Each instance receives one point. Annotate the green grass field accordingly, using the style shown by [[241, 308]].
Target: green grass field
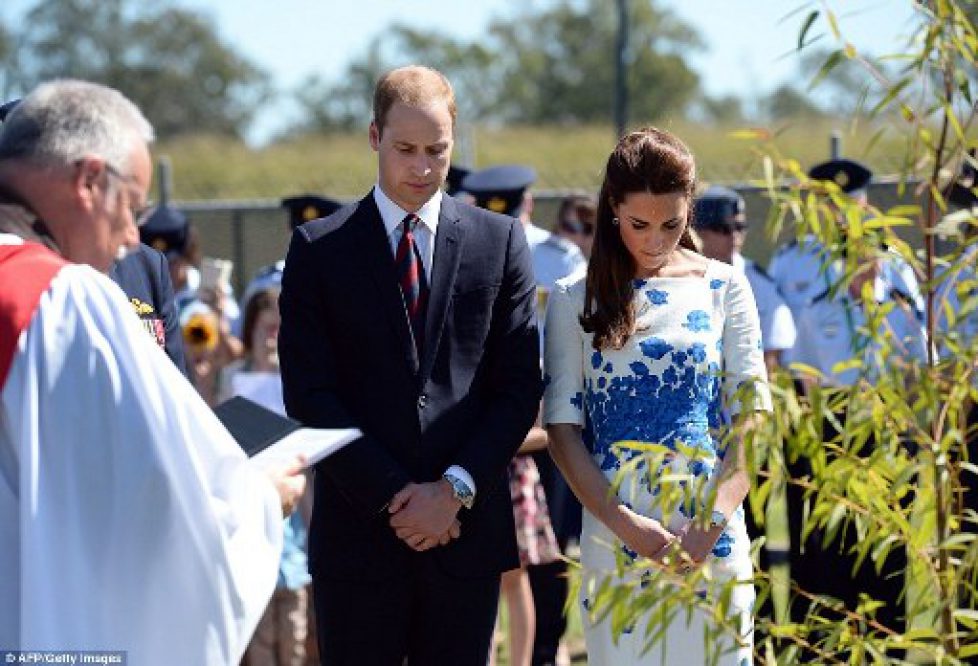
[[343, 165]]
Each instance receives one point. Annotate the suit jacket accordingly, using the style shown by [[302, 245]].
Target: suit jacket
[[348, 359], [144, 276]]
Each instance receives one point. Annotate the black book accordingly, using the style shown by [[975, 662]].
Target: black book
[[270, 438]]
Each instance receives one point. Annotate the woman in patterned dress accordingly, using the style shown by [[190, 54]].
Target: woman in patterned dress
[[653, 346]]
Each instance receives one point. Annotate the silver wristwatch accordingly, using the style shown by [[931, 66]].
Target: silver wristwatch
[[717, 519], [460, 490]]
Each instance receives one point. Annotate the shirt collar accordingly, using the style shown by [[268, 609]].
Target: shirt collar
[[392, 214]]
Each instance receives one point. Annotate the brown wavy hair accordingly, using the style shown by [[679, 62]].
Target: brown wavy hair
[[650, 161]]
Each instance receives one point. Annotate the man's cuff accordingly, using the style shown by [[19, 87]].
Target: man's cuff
[[459, 473]]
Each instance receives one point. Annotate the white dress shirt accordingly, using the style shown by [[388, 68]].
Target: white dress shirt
[[424, 234]]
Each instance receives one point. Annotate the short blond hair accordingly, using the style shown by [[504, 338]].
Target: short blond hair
[[415, 86]]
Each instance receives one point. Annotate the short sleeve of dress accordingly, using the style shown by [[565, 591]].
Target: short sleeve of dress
[[745, 376], [563, 355]]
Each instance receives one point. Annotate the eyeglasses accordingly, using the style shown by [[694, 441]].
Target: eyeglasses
[[572, 226], [138, 212]]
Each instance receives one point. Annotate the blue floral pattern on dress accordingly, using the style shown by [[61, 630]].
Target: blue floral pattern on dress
[[657, 296], [655, 348], [697, 321], [716, 283]]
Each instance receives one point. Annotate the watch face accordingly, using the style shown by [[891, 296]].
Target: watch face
[[460, 490]]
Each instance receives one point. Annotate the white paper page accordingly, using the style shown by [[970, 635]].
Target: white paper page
[[314, 443]]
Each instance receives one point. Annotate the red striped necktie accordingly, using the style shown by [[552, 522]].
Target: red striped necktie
[[411, 278]]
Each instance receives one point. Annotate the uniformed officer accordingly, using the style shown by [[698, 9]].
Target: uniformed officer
[[833, 339], [804, 269], [504, 189], [831, 332], [301, 209], [720, 220], [168, 230]]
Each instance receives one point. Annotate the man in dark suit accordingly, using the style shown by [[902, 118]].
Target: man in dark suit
[[411, 316]]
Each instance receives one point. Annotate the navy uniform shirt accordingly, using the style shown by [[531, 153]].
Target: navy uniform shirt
[[144, 276]]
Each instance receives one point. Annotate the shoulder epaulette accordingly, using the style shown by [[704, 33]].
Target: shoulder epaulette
[[904, 298]]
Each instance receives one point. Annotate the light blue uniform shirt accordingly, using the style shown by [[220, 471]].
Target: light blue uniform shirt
[[829, 334], [777, 323]]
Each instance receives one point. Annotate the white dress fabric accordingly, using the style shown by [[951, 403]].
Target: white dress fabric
[[697, 339], [130, 519]]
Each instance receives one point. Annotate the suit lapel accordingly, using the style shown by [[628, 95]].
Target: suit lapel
[[448, 250], [379, 264]]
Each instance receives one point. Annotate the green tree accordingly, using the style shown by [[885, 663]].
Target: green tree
[[558, 64], [723, 110], [786, 101], [170, 61]]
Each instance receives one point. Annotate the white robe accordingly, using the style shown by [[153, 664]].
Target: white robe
[[129, 518]]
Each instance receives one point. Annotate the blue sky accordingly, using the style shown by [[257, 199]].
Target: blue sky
[[749, 42]]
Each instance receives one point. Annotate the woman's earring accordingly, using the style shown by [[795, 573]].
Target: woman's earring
[[614, 221]]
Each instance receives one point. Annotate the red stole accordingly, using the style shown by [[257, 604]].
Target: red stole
[[26, 272]]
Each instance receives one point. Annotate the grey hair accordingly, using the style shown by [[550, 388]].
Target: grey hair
[[63, 121]]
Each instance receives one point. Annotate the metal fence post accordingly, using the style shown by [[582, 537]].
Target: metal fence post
[[238, 249]]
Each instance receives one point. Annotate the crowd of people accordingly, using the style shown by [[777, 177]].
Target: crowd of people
[[497, 371]]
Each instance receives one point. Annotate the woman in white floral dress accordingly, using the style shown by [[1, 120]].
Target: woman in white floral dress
[[654, 346]]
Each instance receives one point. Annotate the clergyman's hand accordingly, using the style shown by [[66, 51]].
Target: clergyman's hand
[[290, 482], [423, 513]]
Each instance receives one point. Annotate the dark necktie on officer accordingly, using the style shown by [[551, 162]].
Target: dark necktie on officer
[[411, 278]]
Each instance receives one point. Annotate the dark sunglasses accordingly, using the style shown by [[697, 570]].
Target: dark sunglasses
[[577, 227], [728, 230]]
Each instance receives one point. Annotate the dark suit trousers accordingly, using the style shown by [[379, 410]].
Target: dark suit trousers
[[427, 617]]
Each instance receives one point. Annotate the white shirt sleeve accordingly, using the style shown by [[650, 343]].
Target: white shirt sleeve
[[563, 366], [147, 528], [783, 332]]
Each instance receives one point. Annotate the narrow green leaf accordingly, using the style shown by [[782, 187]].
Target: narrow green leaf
[[833, 24], [806, 26], [830, 63]]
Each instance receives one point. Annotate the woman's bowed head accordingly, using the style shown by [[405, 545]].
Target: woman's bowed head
[[643, 229]]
